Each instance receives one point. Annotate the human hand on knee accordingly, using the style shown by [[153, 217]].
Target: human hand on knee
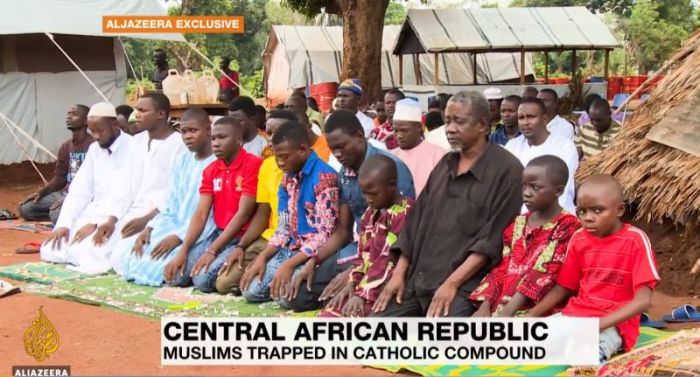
[[335, 286], [56, 237], [83, 233]]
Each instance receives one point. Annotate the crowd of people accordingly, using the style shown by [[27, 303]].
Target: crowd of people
[[468, 210]]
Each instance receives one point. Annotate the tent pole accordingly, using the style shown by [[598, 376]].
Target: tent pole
[[546, 67], [474, 70], [573, 64], [401, 70], [51, 38], [607, 64], [522, 66], [416, 68], [436, 79], [21, 147]]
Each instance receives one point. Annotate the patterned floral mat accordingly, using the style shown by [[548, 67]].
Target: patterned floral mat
[[39, 272]]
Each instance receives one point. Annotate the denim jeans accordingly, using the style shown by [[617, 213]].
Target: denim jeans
[[260, 291], [41, 210], [610, 342], [205, 281]]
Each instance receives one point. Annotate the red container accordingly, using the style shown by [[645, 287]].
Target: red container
[[614, 86], [639, 80], [324, 93]]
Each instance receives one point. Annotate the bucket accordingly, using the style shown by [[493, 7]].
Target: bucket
[[614, 86], [209, 86], [174, 88], [324, 93]]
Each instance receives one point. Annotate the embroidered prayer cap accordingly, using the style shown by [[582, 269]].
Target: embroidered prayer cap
[[352, 85], [408, 110], [102, 109], [493, 93]]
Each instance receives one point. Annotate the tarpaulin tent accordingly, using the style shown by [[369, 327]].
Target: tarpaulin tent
[[298, 56], [38, 83]]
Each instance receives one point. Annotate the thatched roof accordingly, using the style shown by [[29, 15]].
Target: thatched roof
[[663, 182]]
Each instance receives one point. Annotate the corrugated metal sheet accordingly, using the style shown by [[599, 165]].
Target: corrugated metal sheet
[[502, 29]]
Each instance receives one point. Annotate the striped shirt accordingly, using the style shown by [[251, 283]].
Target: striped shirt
[[591, 142]]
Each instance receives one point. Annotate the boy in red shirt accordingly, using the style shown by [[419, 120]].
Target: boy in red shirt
[[610, 267], [229, 185]]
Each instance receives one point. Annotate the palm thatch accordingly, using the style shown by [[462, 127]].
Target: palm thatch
[[663, 182]]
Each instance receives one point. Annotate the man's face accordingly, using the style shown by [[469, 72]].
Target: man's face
[[390, 100], [248, 123], [531, 120], [381, 111], [408, 134], [103, 130], [464, 130], [147, 117], [550, 103], [495, 110], [600, 119], [272, 124], [509, 114], [225, 141], [195, 134], [598, 209], [295, 105], [75, 119], [290, 158], [348, 149], [346, 100], [159, 58]]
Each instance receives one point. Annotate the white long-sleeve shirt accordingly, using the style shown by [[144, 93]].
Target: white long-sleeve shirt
[[101, 188], [153, 164], [555, 146], [367, 122], [561, 127]]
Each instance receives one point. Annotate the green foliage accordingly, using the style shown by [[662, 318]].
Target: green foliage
[[280, 14], [654, 30], [309, 8], [395, 14], [253, 84]]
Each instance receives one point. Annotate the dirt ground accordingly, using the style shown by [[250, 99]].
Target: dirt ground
[[96, 341]]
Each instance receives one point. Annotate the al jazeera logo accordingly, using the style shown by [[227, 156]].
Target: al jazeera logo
[[40, 341]]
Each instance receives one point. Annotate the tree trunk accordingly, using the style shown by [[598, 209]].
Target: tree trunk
[[363, 24]]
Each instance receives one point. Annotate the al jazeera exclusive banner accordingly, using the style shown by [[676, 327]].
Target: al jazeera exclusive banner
[[379, 341]]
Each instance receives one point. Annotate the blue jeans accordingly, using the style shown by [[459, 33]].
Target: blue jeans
[[610, 342], [205, 281], [260, 291]]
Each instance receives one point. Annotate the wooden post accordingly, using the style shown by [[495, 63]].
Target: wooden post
[[474, 70], [522, 66], [546, 67], [607, 63], [436, 80], [573, 64], [401, 70]]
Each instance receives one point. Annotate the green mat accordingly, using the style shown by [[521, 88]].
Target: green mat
[[646, 337], [113, 292], [39, 272]]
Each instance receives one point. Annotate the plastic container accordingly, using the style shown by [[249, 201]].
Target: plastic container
[[209, 86], [195, 93], [614, 86], [324, 93], [174, 88]]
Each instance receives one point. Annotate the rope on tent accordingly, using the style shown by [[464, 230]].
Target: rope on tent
[[26, 135], [21, 147], [77, 67], [192, 46], [136, 77]]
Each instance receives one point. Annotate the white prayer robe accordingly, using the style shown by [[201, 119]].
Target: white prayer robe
[[100, 189]]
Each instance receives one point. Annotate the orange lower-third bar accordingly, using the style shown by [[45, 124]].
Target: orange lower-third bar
[[172, 24]]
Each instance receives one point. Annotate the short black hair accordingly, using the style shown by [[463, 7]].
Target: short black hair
[[83, 110], [600, 104], [298, 94], [345, 121], [160, 100], [588, 101], [124, 110], [514, 98], [230, 121], [443, 98], [196, 114], [260, 110], [395, 92], [292, 132], [552, 92], [531, 91], [434, 104], [555, 168], [160, 50], [433, 120], [243, 103], [382, 166], [311, 102], [283, 114], [535, 101]]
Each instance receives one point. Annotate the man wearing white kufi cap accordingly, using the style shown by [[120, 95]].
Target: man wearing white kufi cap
[[98, 197], [419, 155]]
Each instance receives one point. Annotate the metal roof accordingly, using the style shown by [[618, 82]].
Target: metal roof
[[502, 29]]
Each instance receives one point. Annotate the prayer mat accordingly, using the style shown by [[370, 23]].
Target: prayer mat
[[110, 291], [666, 354], [39, 272], [647, 336], [27, 226]]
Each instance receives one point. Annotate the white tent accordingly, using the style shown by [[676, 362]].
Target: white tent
[[38, 83], [298, 56]]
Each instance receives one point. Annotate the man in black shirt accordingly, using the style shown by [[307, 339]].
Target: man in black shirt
[[452, 238]]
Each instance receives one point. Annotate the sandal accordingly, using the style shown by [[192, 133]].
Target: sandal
[[685, 313], [29, 248], [6, 214], [646, 321]]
